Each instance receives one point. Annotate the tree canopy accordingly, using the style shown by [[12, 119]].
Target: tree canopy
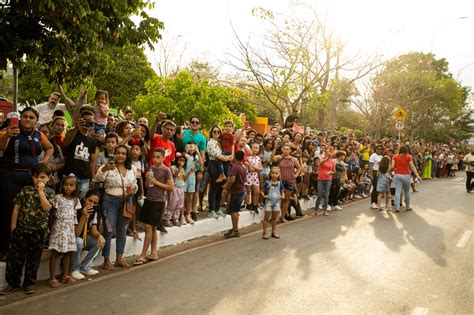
[[67, 37], [184, 95]]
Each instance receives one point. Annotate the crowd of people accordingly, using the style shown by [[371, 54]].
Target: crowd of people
[[74, 188]]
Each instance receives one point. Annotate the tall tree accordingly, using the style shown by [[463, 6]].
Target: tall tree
[[298, 61], [67, 37], [422, 85]]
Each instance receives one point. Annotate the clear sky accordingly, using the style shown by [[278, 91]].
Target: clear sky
[[389, 27]]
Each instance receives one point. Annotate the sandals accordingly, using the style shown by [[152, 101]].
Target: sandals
[[54, 283], [108, 266], [275, 235], [135, 235], [265, 236], [69, 280], [121, 263], [150, 258], [409, 209], [140, 261]]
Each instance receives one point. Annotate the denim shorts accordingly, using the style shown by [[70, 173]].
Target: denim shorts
[[272, 205]]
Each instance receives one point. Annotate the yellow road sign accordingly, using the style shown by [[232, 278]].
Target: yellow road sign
[[400, 113]]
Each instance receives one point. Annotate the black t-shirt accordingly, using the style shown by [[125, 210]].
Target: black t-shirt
[[79, 153]]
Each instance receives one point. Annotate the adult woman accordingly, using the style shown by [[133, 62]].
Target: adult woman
[[214, 169], [120, 184], [59, 125], [178, 140], [289, 167], [427, 158], [327, 168], [22, 145], [402, 163], [124, 131], [57, 162]]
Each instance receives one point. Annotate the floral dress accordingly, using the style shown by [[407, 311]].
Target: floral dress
[[252, 177], [63, 238]]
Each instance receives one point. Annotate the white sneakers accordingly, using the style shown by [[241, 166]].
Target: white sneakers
[[92, 272], [357, 196], [337, 208], [77, 275], [374, 206]]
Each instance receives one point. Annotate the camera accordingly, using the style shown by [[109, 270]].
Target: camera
[[111, 159], [88, 123]]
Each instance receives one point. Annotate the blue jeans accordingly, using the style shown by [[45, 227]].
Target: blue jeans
[[115, 224], [402, 181], [215, 189], [83, 187], [324, 187], [92, 251]]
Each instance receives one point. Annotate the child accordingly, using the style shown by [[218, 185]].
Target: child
[[88, 237], [273, 192], [101, 111], [29, 228], [193, 161], [236, 185], [136, 152], [62, 239], [111, 142], [227, 146], [383, 183], [175, 208], [159, 181], [252, 184]]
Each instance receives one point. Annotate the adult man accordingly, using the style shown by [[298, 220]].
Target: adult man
[[274, 132], [80, 149], [469, 164], [142, 121], [374, 161], [46, 110], [194, 134], [168, 128]]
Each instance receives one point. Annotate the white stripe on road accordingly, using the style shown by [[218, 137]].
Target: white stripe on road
[[464, 238], [419, 311]]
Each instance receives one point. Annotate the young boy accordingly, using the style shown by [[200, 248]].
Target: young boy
[[227, 145], [159, 181], [236, 185], [29, 228]]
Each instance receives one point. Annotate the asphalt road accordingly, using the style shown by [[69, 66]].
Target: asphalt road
[[355, 261]]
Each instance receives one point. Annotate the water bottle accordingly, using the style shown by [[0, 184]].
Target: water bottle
[[14, 119], [150, 174]]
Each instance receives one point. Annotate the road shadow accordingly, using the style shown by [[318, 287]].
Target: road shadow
[[386, 229], [424, 236]]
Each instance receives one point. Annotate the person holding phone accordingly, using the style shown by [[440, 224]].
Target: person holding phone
[[120, 184], [80, 151], [22, 145], [88, 237]]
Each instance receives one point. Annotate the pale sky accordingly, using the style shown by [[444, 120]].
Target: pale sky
[[389, 27]]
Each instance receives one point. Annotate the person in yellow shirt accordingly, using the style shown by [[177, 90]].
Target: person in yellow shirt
[[469, 164]]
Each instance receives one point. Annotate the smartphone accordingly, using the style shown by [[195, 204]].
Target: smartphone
[[111, 159], [169, 116], [89, 124]]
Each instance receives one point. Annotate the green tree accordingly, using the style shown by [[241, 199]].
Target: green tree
[[185, 95], [67, 37], [126, 77]]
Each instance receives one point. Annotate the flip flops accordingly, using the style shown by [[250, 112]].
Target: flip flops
[[140, 261]]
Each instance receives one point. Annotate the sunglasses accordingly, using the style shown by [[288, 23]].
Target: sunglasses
[[216, 131], [194, 122]]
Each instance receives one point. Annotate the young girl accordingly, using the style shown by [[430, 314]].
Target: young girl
[[136, 152], [254, 166], [273, 192], [62, 239], [159, 181], [193, 159], [383, 183], [101, 111], [175, 208]]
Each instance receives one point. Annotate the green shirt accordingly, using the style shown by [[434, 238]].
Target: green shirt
[[31, 215]]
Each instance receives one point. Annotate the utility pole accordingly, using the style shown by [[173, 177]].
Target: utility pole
[[15, 88]]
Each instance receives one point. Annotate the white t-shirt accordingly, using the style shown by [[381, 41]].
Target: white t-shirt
[[46, 113], [375, 160]]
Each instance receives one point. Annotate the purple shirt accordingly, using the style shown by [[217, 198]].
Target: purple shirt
[[240, 173], [155, 193]]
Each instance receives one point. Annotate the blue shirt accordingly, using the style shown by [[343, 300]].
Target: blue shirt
[[198, 138]]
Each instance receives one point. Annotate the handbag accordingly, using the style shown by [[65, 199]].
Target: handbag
[[129, 208]]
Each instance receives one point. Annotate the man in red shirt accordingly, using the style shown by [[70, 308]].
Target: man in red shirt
[[168, 128]]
